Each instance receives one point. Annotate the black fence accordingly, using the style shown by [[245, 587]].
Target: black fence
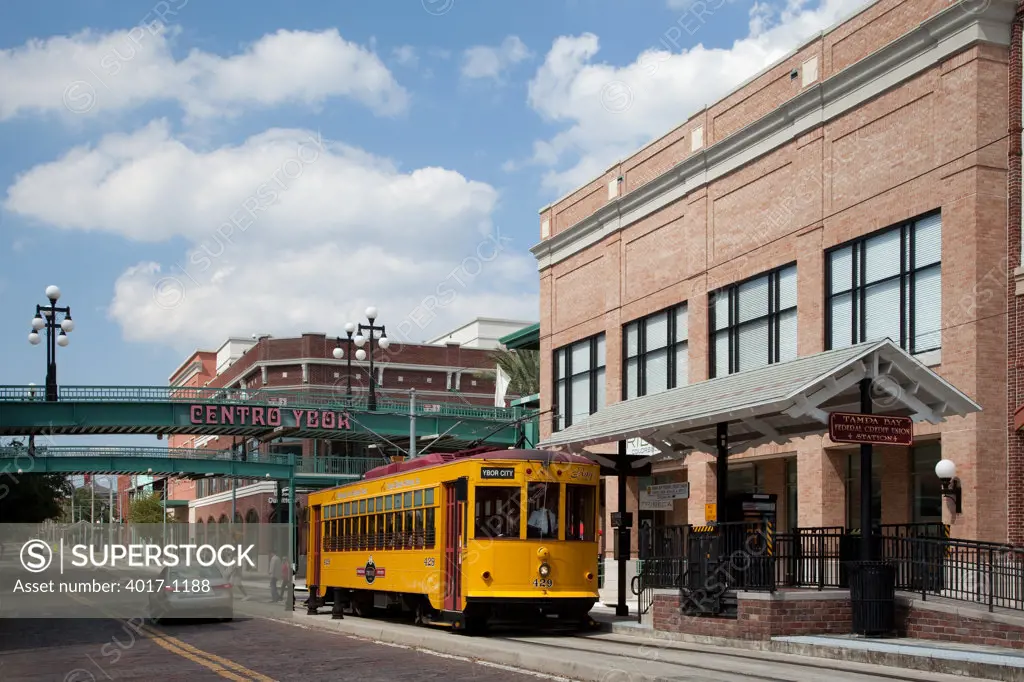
[[706, 563]]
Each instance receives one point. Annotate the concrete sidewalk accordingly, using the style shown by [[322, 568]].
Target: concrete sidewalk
[[949, 658]]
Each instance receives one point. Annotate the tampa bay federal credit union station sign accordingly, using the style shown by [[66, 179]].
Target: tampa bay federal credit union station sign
[[252, 415]]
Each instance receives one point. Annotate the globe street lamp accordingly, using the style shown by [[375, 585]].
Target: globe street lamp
[[340, 353], [360, 341], [53, 318]]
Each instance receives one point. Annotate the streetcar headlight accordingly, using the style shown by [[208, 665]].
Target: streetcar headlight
[[544, 570]]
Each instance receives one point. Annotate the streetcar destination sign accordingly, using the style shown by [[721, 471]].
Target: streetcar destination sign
[[500, 473], [845, 427]]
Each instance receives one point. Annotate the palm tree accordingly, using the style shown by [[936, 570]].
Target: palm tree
[[522, 368]]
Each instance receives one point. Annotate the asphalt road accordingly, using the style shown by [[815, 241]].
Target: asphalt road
[[247, 649]]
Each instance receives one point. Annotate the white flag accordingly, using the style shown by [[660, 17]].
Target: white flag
[[501, 383]]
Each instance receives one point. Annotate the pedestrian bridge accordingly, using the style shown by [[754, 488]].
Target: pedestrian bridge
[[265, 414], [185, 462]]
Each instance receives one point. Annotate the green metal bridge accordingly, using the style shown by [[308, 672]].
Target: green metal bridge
[[261, 414]]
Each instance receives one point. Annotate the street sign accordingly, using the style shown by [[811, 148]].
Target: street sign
[[844, 427], [710, 513], [649, 503], [669, 491]]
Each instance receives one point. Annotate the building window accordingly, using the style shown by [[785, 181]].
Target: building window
[[753, 323], [579, 380], [656, 353], [887, 285], [927, 487]]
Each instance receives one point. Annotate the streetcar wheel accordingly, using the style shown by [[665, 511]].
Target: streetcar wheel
[[361, 605], [422, 617]]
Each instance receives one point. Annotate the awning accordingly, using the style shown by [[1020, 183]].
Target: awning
[[772, 404]]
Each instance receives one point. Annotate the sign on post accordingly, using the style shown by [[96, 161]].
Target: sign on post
[[669, 491], [845, 427], [710, 513], [650, 503]]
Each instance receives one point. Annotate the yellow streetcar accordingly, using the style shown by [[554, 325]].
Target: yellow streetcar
[[461, 539]]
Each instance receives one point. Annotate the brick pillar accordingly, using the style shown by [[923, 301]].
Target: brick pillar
[[773, 472], [1015, 310], [897, 484], [700, 471], [821, 490]]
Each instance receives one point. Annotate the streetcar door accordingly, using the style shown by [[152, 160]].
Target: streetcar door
[[455, 498], [315, 547]]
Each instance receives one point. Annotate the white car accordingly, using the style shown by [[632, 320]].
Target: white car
[[192, 592]]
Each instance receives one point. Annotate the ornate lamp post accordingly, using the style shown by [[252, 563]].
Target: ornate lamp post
[[360, 341], [340, 353], [47, 316]]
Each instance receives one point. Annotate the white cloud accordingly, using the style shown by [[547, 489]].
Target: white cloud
[[611, 111], [286, 231], [483, 61], [405, 55], [90, 74]]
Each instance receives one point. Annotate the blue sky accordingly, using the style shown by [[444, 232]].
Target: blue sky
[[239, 167]]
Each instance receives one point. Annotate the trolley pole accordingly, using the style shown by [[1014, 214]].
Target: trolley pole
[[412, 423]]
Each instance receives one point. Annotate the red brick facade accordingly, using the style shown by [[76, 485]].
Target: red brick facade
[[465, 374], [931, 139], [1015, 309]]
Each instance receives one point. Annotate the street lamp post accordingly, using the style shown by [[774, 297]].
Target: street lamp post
[[340, 353], [360, 340], [46, 316]]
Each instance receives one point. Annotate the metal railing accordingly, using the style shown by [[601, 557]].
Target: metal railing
[[925, 559], [308, 398], [333, 464]]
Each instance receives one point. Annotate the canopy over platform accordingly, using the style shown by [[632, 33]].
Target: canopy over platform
[[527, 338], [772, 404]]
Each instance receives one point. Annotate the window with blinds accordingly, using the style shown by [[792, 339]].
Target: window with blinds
[[656, 352], [888, 284], [579, 380], [753, 323]]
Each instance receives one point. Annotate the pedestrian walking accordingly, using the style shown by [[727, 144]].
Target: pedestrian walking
[[275, 573], [235, 578]]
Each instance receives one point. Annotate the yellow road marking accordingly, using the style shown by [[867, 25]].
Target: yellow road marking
[[227, 663], [162, 642], [218, 664]]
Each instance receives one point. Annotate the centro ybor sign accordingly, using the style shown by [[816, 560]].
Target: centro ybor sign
[[37, 556]]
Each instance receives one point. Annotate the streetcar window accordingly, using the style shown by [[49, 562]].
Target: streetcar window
[[419, 529], [348, 511], [409, 536], [408, 500], [430, 528], [398, 501], [418, 498], [389, 528], [542, 510], [362, 506], [430, 497], [388, 501], [380, 504], [497, 512], [580, 512]]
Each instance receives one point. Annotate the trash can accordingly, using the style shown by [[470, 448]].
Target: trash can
[[872, 598]]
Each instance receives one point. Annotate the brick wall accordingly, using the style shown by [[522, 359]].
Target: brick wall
[[946, 623], [1014, 307], [762, 616]]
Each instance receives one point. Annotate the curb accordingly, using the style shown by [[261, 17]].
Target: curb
[[829, 656], [444, 642]]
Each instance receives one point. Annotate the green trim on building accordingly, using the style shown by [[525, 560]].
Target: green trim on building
[[527, 338]]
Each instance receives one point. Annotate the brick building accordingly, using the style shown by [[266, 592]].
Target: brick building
[[447, 369], [865, 186]]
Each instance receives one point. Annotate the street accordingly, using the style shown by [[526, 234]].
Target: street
[[285, 646], [247, 649]]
